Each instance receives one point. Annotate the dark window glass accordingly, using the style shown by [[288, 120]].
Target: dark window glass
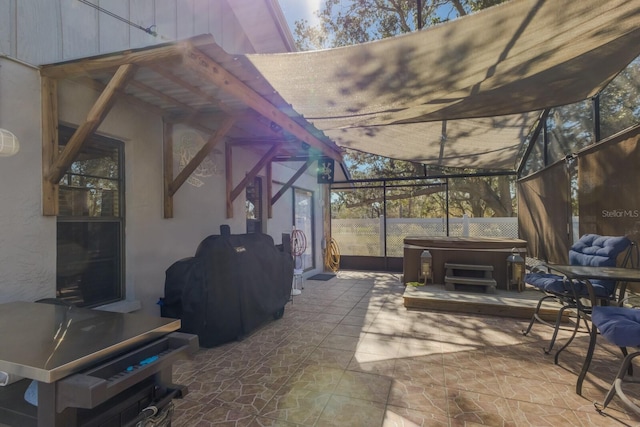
[[88, 262], [90, 224], [253, 206]]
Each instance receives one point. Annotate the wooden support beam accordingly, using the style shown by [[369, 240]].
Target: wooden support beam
[[269, 189], [263, 125], [167, 158], [293, 158], [130, 99], [291, 181], [193, 123], [326, 223], [253, 172], [228, 171], [161, 95], [287, 149], [201, 154], [96, 115], [188, 86], [255, 142], [206, 67], [196, 123], [49, 91], [107, 62]]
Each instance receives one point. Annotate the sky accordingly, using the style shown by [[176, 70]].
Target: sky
[[299, 9], [304, 9]]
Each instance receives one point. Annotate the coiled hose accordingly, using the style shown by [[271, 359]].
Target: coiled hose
[[332, 256], [298, 248]]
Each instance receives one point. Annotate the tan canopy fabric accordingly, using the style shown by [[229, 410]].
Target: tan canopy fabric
[[410, 97]]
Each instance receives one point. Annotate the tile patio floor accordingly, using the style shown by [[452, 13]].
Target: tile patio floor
[[348, 353]]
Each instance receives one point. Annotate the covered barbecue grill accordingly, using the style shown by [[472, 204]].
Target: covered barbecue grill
[[232, 285]]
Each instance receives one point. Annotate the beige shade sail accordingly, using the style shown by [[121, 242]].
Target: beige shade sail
[[411, 97]]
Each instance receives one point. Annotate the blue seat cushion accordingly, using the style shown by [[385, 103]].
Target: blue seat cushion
[[545, 281], [590, 250], [597, 251], [555, 284], [619, 325]]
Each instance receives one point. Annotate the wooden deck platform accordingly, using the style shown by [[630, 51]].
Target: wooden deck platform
[[502, 303]]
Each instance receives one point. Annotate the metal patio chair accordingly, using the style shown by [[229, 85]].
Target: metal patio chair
[[589, 250], [620, 326]]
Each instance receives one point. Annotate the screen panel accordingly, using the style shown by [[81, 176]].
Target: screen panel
[[544, 213], [608, 194]]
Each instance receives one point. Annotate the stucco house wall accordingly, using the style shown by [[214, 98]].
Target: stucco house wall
[[27, 239], [152, 243]]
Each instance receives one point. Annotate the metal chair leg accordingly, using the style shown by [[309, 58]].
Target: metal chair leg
[[593, 333], [625, 353], [556, 325], [616, 386], [556, 329], [535, 315], [573, 335]]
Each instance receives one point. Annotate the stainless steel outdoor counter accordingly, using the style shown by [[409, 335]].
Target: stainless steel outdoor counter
[[89, 367], [47, 342]]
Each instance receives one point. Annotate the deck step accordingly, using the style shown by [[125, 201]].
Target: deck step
[[451, 281], [503, 303], [469, 274], [478, 267], [465, 280]]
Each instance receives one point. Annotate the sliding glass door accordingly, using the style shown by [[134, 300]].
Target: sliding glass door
[[304, 221]]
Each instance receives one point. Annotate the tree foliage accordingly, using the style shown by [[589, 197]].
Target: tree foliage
[[620, 101], [347, 22], [570, 128]]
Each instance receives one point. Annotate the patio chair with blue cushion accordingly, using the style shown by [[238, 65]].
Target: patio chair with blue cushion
[[590, 250], [620, 326]]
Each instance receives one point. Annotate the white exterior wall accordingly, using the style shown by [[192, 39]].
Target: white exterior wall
[[282, 221], [27, 239], [47, 31], [153, 243]]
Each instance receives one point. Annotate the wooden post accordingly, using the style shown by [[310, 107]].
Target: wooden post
[[228, 171], [49, 90], [96, 115], [167, 151], [326, 219], [201, 154], [269, 189]]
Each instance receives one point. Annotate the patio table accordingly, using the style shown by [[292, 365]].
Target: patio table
[[585, 274]]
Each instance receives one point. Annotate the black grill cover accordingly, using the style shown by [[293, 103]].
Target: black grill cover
[[233, 284]]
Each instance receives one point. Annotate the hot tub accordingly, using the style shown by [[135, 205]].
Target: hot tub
[[460, 250]]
